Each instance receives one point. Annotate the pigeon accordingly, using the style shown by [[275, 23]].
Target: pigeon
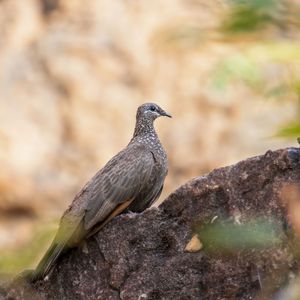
[[130, 182]]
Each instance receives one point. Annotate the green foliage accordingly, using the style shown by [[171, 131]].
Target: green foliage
[[15, 261], [293, 130], [247, 66], [225, 237], [248, 16], [238, 67]]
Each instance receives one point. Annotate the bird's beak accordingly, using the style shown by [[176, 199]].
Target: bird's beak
[[165, 114]]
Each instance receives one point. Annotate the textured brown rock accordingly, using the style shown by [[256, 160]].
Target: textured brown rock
[[141, 256]]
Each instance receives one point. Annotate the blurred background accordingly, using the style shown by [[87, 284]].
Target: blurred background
[[72, 74]]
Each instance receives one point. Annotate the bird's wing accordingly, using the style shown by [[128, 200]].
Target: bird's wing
[[107, 194], [118, 183]]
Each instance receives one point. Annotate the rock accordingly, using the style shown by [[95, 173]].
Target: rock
[[142, 256], [194, 245]]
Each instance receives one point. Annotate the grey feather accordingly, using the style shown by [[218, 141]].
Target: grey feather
[[130, 174]]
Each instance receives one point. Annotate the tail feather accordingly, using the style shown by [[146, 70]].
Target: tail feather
[[68, 235], [47, 261]]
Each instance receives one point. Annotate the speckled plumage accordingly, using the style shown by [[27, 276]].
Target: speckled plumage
[[131, 181]]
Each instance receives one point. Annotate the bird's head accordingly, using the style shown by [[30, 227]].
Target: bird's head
[[151, 111]]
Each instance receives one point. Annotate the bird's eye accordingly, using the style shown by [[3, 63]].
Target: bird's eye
[[152, 108]]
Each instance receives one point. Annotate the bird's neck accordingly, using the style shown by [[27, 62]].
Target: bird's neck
[[144, 133], [144, 127]]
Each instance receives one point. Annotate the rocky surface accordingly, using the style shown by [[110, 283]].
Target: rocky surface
[[143, 256]]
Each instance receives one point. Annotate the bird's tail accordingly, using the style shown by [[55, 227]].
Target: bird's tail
[[47, 261], [66, 237]]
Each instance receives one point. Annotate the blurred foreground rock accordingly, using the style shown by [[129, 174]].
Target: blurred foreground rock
[[143, 256]]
